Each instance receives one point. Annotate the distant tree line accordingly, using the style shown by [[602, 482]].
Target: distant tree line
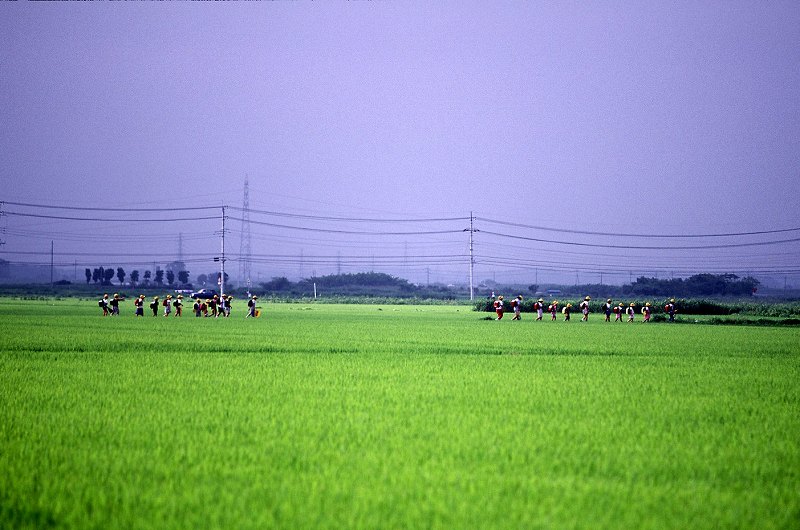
[[697, 285], [105, 275], [373, 284]]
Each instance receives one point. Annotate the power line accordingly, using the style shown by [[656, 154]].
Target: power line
[[352, 219], [108, 209], [113, 219], [640, 247], [332, 231], [615, 234]]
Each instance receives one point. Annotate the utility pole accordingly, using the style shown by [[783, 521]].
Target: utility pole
[[51, 263], [245, 249], [222, 258], [471, 258]]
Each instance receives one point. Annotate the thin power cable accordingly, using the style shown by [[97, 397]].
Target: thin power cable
[[350, 219], [106, 219], [107, 209], [614, 234], [643, 247], [360, 232]]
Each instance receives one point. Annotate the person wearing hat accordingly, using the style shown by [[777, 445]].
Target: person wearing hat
[[585, 309], [498, 307], [114, 303], [228, 301], [553, 308], [221, 305], [212, 305], [646, 311], [154, 306], [167, 303], [179, 306], [619, 311], [138, 303], [103, 303], [251, 307], [670, 309], [539, 307], [197, 307], [607, 309], [516, 303], [631, 312], [566, 311]]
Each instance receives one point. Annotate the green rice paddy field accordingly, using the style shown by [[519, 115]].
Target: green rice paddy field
[[325, 416]]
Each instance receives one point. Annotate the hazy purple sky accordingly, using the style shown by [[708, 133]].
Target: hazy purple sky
[[627, 117]]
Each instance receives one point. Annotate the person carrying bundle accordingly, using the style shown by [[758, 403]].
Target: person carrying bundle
[[103, 303], [498, 307], [167, 303], [154, 306], [585, 309], [631, 312], [553, 308], [114, 303], [179, 305], [670, 309], [566, 312], [539, 307], [251, 307], [646, 311], [619, 310], [607, 309], [196, 307], [516, 304], [139, 305]]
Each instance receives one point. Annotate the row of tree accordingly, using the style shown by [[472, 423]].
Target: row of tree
[[104, 276]]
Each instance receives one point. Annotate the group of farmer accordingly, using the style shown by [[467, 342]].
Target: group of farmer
[[214, 307], [618, 309]]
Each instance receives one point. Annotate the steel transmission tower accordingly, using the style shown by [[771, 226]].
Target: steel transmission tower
[[245, 253]]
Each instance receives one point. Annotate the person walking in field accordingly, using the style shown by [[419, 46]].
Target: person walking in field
[[498, 307], [212, 306], [221, 306], [553, 308], [585, 309], [103, 303], [631, 312], [138, 303], [114, 303], [517, 305], [228, 305], [607, 309], [566, 311], [619, 311], [167, 303], [670, 309], [154, 306], [539, 307], [179, 306], [646, 311], [196, 307], [251, 307], [204, 307]]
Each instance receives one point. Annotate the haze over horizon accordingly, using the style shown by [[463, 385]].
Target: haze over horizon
[[371, 131]]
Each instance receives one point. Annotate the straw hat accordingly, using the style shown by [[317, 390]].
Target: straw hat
[[609, 300], [587, 298], [540, 300], [632, 304]]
